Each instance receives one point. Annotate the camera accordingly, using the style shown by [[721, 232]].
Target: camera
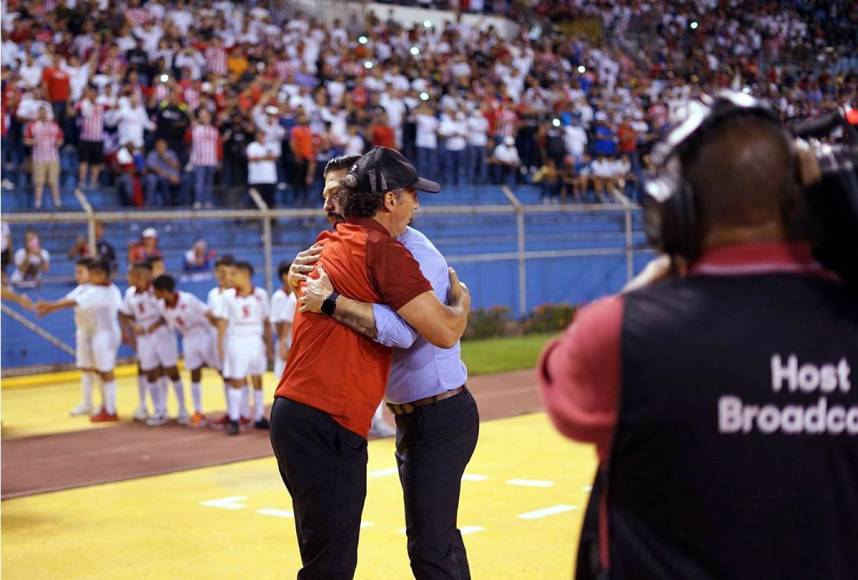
[[831, 198]]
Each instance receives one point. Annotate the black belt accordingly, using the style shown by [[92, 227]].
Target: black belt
[[406, 408]]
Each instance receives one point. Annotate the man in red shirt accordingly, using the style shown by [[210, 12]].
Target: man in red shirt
[[58, 86], [382, 133], [335, 377], [303, 158]]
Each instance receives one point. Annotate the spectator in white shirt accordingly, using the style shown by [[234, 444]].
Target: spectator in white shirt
[[355, 144], [132, 120], [454, 129], [603, 171], [31, 262], [506, 161], [575, 138], [262, 167], [478, 128], [426, 140]]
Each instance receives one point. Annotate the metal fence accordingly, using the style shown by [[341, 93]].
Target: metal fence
[[264, 215]]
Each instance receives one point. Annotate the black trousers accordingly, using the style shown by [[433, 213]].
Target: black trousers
[[433, 446], [324, 468]]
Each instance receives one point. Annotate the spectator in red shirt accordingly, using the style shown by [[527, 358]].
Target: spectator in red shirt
[[58, 85], [335, 377], [145, 248], [381, 133], [303, 158]]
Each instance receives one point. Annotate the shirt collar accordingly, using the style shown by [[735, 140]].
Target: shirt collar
[[763, 258], [369, 223]]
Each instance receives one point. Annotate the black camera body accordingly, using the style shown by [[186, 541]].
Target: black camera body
[[829, 206]]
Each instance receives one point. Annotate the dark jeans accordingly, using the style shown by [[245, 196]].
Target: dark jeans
[[433, 446], [324, 468]]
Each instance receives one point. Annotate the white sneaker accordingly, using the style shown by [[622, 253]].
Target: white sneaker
[[141, 414], [156, 420], [183, 418], [82, 409], [382, 429]]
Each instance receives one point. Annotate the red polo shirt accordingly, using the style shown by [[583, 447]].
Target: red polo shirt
[[331, 367]]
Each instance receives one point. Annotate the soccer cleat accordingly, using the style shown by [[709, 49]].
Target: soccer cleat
[[156, 420], [183, 418], [262, 424], [233, 428], [381, 429], [82, 409], [197, 420], [141, 414], [104, 417], [221, 423]]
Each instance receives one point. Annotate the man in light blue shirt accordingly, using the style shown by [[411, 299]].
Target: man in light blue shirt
[[436, 417]]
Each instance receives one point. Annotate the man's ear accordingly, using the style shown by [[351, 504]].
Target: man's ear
[[390, 201]]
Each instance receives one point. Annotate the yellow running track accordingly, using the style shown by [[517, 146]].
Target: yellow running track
[[522, 503]]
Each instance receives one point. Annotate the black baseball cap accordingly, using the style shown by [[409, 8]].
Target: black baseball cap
[[385, 169]]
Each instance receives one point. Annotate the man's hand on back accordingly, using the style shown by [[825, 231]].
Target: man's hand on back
[[303, 264], [315, 292], [458, 295]]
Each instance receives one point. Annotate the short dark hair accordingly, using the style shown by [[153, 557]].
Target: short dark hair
[[340, 162], [225, 260], [85, 262], [246, 266], [164, 282], [283, 268], [99, 266], [142, 265]]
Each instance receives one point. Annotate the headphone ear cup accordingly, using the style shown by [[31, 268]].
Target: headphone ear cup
[[687, 241]]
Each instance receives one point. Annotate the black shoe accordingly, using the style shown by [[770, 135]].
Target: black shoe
[[233, 428], [262, 424]]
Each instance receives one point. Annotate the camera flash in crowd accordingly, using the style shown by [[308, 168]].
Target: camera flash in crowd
[[415, 51], [582, 69], [362, 40], [367, 64], [424, 96], [694, 25], [427, 24], [555, 122]]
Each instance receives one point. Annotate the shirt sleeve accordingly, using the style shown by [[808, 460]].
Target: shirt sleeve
[[125, 307], [277, 308], [396, 273], [579, 375], [87, 298], [390, 329]]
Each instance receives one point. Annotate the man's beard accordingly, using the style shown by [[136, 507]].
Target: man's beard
[[335, 218]]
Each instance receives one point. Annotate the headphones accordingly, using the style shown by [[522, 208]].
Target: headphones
[[669, 202]]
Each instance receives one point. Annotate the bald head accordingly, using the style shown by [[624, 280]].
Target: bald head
[[743, 178]]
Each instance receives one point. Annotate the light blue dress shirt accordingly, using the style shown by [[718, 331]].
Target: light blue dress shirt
[[420, 369]]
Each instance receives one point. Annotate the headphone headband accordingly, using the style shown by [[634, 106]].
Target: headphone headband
[[669, 207]]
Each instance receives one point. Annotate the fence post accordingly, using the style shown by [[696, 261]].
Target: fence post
[[266, 237], [90, 220], [522, 258], [630, 251]]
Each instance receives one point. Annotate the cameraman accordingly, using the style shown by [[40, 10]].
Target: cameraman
[[722, 402]]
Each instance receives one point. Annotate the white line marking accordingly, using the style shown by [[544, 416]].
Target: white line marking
[[531, 482], [471, 530], [232, 502], [401, 531], [549, 511], [366, 525], [275, 513], [474, 477], [384, 472], [587, 488]]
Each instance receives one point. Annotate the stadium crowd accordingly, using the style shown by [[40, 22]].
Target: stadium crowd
[[189, 103]]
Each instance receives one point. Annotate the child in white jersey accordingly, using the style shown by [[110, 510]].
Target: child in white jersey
[[244, 343], [186, 314], [283, 305], [223, 275], [97, 340], [156, 343]]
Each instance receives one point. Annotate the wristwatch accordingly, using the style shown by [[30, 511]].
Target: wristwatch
[[330, 303]]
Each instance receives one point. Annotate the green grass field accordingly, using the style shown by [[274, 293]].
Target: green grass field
[[496, 355]]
